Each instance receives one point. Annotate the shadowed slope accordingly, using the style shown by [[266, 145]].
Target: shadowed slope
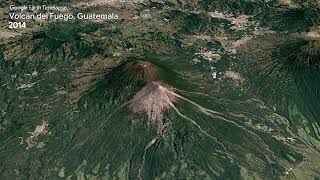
[[119, 84]]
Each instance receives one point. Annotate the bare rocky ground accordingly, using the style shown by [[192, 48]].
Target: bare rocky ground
[[153, 99]]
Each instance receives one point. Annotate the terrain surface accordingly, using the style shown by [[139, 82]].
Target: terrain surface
[[177, 89]]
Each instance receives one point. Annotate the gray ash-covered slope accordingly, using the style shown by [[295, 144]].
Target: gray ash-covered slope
[[134, 125]]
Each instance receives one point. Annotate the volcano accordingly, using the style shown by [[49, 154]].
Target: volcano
[[134, 124], [134, 99], [122, 81], [144, 127], [150, 96]]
